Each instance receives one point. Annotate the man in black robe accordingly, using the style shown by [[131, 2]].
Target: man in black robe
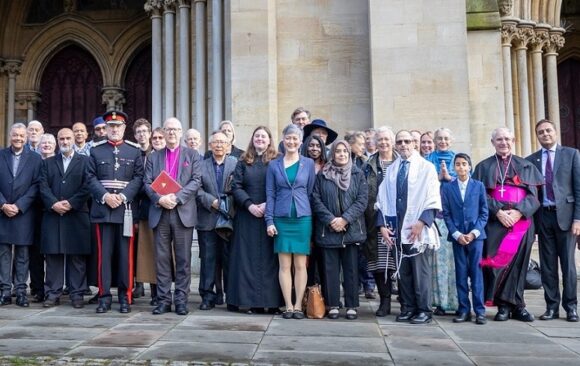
[[512, 184]]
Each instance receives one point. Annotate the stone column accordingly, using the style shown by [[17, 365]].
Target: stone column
[[537, 43], [217, 63], [521, 40], [154, 8], [12, 68], [113, 98], [200, 67], [184, 64], [30, 99], [507, 34], [556, 41], [169, 61]]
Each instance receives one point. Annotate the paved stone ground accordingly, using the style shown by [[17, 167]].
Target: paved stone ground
[[65, 336]]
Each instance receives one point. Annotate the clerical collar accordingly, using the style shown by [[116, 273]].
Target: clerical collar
[[503, 158], [172, 150], [115, 143]]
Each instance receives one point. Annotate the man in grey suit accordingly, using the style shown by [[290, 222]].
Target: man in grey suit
[[173, 216], [558, 220], [215, 172]]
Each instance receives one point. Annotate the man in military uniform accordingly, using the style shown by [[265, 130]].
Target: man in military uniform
[[115, 176]]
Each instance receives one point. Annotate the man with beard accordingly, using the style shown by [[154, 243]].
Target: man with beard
[[512, 196], [115, 176], [65, 223], [19, 180]]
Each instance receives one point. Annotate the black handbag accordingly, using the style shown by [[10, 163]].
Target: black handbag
[[224, 226]]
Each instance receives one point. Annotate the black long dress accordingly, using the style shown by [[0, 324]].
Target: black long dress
[[253, 276]]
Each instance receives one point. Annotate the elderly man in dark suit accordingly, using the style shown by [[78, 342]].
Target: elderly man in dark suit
[[558, 220], [19, 180], [215, 172], [173, 216], [65, 222]]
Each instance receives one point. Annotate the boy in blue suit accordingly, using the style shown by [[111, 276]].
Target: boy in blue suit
[[465, 212]]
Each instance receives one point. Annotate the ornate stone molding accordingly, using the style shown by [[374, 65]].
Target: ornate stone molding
[[523, 36], [508, 30], [113, 98], [169, 5], [505, 7], [12, 67], [184, 3], [152, 6], [28, 98], [539, 39], [554, 43]]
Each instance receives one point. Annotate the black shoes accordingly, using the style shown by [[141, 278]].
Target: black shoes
[[287, 314], [369, 295], [480, 319], [206, 305], [103, 306], [49, 303], [384, 308], [421, 318], [181, 309], [78, 303], [462, 318], [503, 314], [154, 301], [523, 315], [5, 300], [572, 315], [22, 300], [298, 314], [404, 317], [139, 290], [124, 307], [38, 297], [94, 299], [333, 313], [549, 315], [161, 309]]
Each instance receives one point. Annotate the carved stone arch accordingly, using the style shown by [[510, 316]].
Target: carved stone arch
[[136, 36], [60, 34]]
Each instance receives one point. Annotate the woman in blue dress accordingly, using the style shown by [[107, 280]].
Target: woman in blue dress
[[289, 183]]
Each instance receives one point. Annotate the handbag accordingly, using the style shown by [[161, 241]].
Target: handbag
[[315, 308], [224, 226]]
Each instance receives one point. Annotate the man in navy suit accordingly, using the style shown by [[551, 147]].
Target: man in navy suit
[[558, 219], [465, 212], [19, 181]]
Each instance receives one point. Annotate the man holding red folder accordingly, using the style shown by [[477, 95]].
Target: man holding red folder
[[172, 179]]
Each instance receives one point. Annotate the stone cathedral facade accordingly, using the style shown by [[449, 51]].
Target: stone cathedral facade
[[469, 65]]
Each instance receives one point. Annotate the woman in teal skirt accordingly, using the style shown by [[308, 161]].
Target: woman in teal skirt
[[289, 183]]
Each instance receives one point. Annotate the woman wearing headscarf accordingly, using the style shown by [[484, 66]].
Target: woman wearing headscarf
[[339, 201]]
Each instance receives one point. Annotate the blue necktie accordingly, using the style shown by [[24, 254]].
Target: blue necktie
[[402, 176]]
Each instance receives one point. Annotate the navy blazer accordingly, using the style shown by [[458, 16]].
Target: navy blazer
[[468, 215], [280, 193], [21, 190]]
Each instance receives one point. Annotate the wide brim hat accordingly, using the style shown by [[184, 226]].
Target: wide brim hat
[[320, 123], [115, 118]]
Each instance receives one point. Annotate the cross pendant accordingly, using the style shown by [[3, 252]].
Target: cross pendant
[[501, 191]]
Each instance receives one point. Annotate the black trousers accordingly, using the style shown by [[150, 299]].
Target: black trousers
[[415, 288], [172, 238], [19, 276], [555, 245], [36, 268], [211, 248], [76, 274], [110, 241], [333, 259]]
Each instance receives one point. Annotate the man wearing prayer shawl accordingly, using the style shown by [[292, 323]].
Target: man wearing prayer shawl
[[512, 184], [407, 202]]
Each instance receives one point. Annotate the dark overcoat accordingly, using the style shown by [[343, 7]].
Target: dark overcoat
[[21, 190], [69, 233]]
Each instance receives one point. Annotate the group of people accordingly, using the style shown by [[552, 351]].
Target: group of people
[[373, 209]]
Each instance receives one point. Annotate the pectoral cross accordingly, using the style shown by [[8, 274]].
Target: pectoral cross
[[501, 191]]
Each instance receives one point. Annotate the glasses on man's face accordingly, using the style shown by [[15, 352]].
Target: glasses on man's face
[[172, 130], [401, 142], [219, 142], [157, 138]]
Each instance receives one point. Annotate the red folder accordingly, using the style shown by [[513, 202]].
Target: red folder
[[164, 184]]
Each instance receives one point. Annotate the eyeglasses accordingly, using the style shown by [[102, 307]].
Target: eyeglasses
[[401, 142], [218, 142], [157, 138], [170, 130]]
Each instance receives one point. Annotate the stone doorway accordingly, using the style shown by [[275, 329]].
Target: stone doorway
[[138, 89], [70, 89], [569, 92]]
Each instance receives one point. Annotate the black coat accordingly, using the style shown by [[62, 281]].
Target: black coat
[[253, 276], [21, 190], [71, 232], [329, 202]]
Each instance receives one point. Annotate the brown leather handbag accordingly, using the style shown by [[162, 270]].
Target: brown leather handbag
[[315, 308]]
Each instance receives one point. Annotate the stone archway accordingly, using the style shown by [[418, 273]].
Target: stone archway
[[569, 91], [70, 88], [137, 85]]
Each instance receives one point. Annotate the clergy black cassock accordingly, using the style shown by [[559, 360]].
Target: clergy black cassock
[[505, 286]]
